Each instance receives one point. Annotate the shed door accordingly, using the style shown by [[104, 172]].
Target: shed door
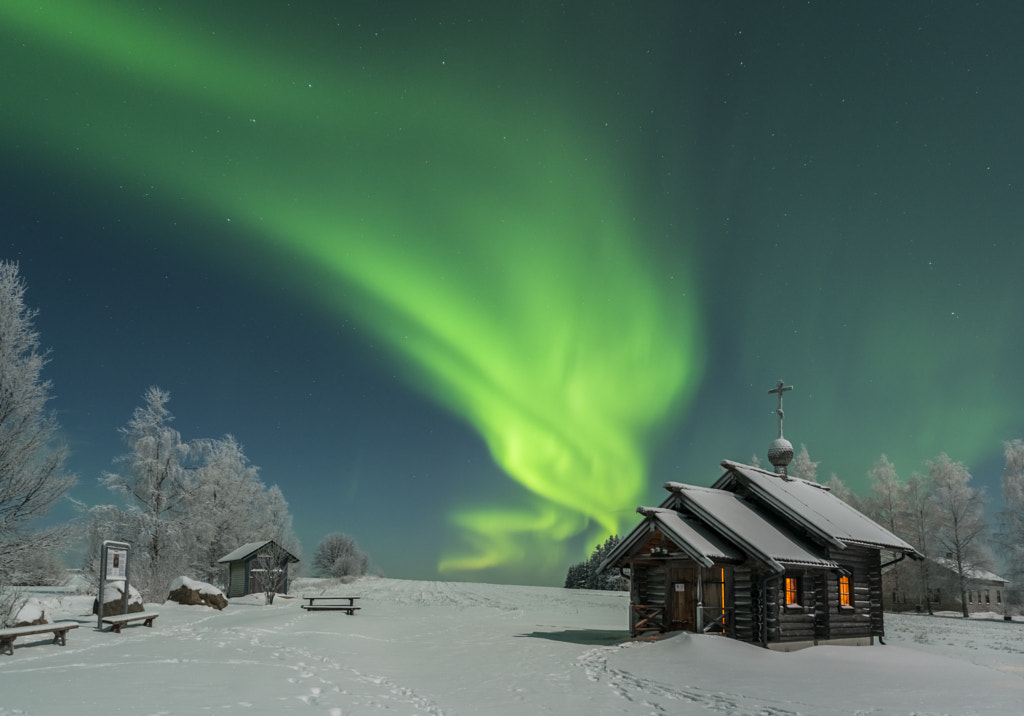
[[236, 579]]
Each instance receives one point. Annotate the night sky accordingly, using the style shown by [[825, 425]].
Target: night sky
[[469, 283]]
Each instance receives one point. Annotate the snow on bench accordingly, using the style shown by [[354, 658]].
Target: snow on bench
[[59, 630], [119, 620]]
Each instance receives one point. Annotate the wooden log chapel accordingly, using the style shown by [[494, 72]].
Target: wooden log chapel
[[759, 556]]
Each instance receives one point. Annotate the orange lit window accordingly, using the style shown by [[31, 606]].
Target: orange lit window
[[844, 591], [792, 591]]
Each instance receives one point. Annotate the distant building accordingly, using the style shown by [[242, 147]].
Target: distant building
[[759, 556], [935, 586], [252, 564]]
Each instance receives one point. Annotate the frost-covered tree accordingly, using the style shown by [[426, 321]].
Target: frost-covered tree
[[838, 488], [32, 477], [960, 527], [226, 507], [277, 521], [269, 570], [1010, 535], [338, 555], [887, 503], [921, 521], [803, 467], [158, 477]]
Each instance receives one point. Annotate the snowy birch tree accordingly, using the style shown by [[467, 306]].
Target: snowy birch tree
[[887, 503], [225, 508], [1010, 535], [269, 570], [803, 467], [158, 478], [920, 526], [338, 555], [960, 527], [32, 477]]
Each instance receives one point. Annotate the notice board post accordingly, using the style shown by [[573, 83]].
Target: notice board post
[[113, 567]]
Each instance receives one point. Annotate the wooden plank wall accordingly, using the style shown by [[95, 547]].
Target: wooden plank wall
[[863, 563], [796, 623]]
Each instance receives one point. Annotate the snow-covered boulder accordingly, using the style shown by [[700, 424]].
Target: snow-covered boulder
[[113, 593], [30, 614], [189, 591]]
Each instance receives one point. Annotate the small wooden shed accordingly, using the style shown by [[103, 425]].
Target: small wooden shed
[[252, 564]]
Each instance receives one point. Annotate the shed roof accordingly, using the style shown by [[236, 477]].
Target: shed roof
[[813, 507], [741, 523], [249, 549]]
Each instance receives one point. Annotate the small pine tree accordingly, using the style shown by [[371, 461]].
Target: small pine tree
[[576, 577], [587, 575]]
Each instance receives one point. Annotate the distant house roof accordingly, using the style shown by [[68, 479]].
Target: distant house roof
[[248, 550], [976, 573], [813, 507]]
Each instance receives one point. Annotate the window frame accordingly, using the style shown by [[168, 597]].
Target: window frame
[[844, 590], [792, 586]]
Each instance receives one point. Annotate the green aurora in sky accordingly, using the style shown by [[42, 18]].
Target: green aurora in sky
[[491, 249], [597, 233]]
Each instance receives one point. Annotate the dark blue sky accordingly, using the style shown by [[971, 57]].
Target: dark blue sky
[[438, 268]]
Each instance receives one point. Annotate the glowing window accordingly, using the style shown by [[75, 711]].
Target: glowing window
[[792, 591], [844, 591]]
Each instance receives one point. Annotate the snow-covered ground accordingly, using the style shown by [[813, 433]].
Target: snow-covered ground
[[455, 648]]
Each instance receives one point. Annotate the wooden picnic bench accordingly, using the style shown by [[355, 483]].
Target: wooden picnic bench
[[59, 630], [338, 604], [117, 621]]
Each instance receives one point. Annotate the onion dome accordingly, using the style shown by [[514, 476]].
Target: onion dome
[[780, 454]]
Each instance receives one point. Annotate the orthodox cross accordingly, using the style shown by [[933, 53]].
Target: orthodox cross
[[780, 389]]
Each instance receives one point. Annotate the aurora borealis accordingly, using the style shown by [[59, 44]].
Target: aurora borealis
[[470, 284]]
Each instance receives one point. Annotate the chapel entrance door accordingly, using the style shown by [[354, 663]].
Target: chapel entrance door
[[683, 597]]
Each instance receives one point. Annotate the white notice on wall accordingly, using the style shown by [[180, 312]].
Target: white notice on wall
[[117, 563], [681, 587]]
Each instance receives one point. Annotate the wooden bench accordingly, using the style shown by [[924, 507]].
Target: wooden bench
[[332, 604], [117, 621], [59, 630]]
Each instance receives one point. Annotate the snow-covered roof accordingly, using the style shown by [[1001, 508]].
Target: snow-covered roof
[[813, 507], [688, 535], [248, 550], [976, 573], [739, 522]]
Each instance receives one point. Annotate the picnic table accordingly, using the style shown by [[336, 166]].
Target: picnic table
[[340, 604]]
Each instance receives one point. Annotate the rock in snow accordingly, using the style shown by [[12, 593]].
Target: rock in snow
[[31, 614], [113, 593], [190, 592]]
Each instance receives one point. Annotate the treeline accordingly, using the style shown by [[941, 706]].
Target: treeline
[[587, 575]]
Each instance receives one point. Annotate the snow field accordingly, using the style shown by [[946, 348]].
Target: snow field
[[465, 649]]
